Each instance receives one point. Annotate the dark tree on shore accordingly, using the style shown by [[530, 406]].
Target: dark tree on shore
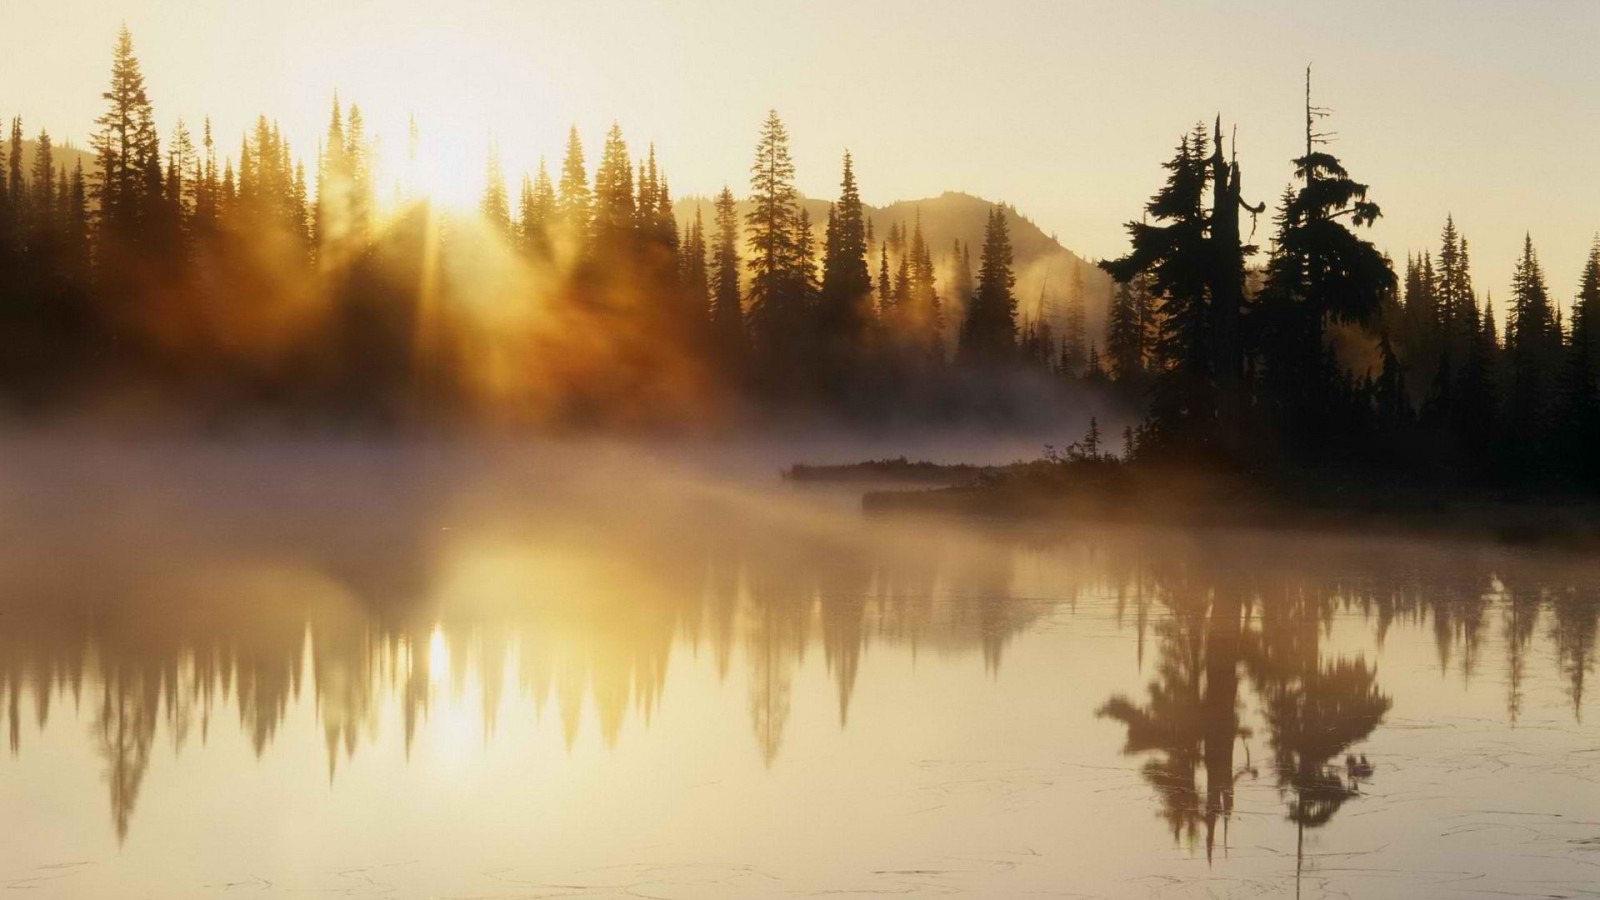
[[1320, 274], [1172, 248]]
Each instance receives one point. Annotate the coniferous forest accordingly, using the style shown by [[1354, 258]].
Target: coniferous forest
[[176, 275]]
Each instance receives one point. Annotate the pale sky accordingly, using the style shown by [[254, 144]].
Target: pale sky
[[1065, 109]]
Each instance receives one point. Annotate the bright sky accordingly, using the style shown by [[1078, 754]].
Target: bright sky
[[1064, 108]]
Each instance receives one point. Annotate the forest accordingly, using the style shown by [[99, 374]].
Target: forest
[[172, 278]]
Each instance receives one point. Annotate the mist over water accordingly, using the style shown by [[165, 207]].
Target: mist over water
[[598, 668]]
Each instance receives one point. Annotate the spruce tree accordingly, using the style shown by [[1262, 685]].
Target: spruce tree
[[574, 202], [494, 206], [696, 278], [1123, 336], [17, 185], [615, 212], [1533, 347], [538, 215], [727, 316], [988, 333], [1075, 333], [843, 306], [1320, 273], [126, 148], [925, 307], [885, 289], [1580, 374], [1174, 254], [358, 159], [775, 293]]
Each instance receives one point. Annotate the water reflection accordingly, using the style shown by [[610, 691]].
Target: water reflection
[[175, 615]]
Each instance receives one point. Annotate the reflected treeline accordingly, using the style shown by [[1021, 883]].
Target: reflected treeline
[[175, 617], [385, 590], [1243, 628]]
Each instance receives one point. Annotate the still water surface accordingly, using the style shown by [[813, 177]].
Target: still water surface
[[429, 672]]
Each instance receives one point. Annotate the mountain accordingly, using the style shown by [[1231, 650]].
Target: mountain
[[1044, 268], [61, 154]]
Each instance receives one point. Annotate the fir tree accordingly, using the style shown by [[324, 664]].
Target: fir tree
[[775, 292], [1075, 334], [1123, 336], [925, 307], [615, 211], [843, 303], [727, 316], [538, 214], [126, 148], [1175, 255], [1533, 347], [1320, 273], [494, 206], [885, 290], [988, 333], [1580, 392], [574, 202]]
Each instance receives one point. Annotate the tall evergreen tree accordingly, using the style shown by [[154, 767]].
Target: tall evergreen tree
[[126, 148], [843, 306], [1320, 273], [1124, 340], [1075, 331], [1174, 254], [988, 333], [615, 212], [1580, 374], [574, 202], [1533, 350], [727, 315], [925, 306], [538, 214], [775, 292], [495, 206]]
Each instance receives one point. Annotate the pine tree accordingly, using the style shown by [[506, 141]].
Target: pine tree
[[42, 192], [696, 277], [1533, 347], [1075, 335], [1320, 273], [885, 289], [574, 203], [1175, 256], [1580, 374], [961, 284], [525, 216], [926, 308], [538, 214], [727, 315], [358, 159], [988, 334], [1123, 336], [17, 186], [615, 212], [843, 303], [126, 147], [331, 217], [770, 227], [807, 284], [495, 206]]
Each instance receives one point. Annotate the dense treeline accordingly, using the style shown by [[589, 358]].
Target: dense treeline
[[1322, 357], [174, 275]]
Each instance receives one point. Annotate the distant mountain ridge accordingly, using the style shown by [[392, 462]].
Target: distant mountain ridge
[[1044, 268], [61, 155]]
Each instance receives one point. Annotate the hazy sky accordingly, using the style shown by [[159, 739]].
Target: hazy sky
[[1066, 109]]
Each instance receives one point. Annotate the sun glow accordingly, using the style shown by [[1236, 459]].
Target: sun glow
[[434, 104]]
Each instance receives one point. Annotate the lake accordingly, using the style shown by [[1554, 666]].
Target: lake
[[433, 670]]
